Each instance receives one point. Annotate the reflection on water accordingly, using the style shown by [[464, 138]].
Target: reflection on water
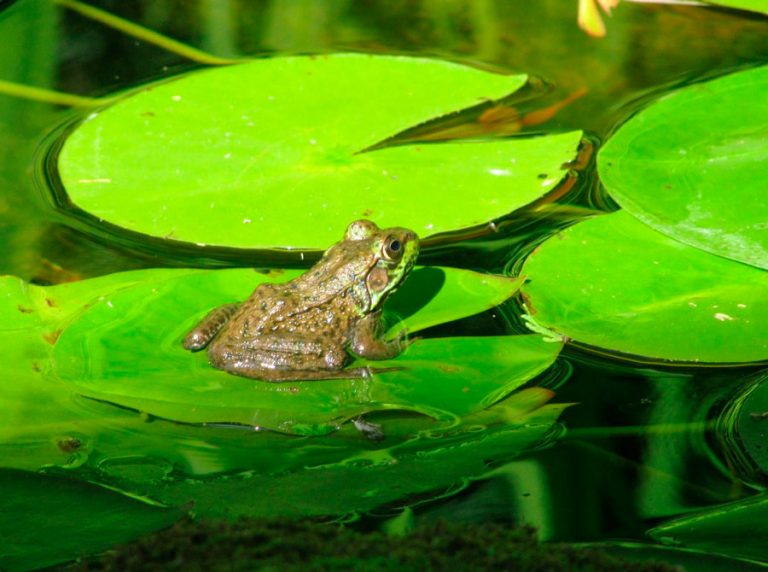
[[637, 448]]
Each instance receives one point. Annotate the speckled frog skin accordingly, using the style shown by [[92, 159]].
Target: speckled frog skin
[[309, 328]]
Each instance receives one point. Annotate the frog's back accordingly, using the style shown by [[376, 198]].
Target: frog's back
[[278, 309]]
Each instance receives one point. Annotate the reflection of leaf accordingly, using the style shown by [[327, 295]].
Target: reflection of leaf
[[45, 520], [742, 427], [615, 283], [736, 529], [684, 559], [225, 153], [693, 165], [125, 348]]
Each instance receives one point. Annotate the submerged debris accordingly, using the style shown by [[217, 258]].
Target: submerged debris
[[251, 544]]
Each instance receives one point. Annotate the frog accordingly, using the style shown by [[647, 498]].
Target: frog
[[313, 326]]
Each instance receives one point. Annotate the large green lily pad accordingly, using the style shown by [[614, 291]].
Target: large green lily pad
[[45, 422], [125, 348], [615, 283], [693, 166], [273, 153]]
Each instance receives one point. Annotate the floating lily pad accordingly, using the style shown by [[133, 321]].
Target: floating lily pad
[[615, 283], [693, 166], [273, 153], [45, 423], [125, 348], [749, 5]]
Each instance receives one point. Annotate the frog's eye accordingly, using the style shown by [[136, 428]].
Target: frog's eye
[[393, 248]]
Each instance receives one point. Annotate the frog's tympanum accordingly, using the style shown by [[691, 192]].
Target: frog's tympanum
[[310, 327]]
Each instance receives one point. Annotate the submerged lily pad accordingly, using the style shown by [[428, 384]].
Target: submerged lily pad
[[743, 428], [430, 465], [693, 165], [46, 520], [125, 348], [273, 153], [615, 283], [734, 529]]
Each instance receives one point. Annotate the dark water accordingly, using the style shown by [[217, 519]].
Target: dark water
[[638, 447]]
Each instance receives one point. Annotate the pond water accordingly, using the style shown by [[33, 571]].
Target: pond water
[[639, 444]]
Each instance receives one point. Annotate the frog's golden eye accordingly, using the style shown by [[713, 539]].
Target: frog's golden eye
[[393, 248]]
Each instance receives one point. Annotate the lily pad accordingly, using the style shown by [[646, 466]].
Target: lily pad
[[274, 153], [47, 424], [760, 6], [692, 166], [125, 348], [615, 283]]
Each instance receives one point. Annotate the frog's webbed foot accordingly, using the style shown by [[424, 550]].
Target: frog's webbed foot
[[547, 334], [367, 341], [202, 334], [371, 430]]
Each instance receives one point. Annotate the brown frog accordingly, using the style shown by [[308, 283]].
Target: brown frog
[[307, 329]]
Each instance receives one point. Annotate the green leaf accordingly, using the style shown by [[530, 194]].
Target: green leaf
[[239, 147], [143, 315], [760, 6], [445, 378], [614, 283], [46, 520], [692, 166]]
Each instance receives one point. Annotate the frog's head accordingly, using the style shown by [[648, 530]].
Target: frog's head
[[394, 251]]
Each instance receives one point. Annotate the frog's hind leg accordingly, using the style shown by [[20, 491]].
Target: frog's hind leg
[[283, 359], [202, 334]]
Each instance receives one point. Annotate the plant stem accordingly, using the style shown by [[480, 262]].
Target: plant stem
[[50, 96], [144, 34]]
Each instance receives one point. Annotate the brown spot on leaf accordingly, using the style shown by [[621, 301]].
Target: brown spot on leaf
[[52, 337], [24, 309], [51, 302]]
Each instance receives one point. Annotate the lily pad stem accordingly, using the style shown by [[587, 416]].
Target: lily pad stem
[[144, 34]]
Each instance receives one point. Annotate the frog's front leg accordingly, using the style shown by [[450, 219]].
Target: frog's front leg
[[368, 342], [202, 334]]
